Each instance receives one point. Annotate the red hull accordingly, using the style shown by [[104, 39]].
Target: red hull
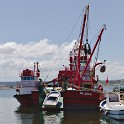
[[28, 99], [35, 98], [81, 99], [24, 100]]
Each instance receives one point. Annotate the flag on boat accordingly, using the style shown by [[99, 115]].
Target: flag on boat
[[107, 80]]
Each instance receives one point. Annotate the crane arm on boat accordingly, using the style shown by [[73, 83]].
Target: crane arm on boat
[[98, 39]]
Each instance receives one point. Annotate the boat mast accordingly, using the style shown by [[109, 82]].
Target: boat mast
[[81, 41], [37, 71]]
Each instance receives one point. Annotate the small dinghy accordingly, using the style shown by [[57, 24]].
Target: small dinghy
[[52, 99], [113, 106]]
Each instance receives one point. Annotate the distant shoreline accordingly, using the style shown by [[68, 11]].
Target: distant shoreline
[[5, 87]]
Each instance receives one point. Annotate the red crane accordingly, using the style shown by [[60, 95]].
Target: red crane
[[78, 74]]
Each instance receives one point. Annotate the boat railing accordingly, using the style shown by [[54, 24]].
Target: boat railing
[[82, 88], [26, 84]]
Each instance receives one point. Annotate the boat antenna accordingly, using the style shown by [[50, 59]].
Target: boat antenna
[[87, 25]]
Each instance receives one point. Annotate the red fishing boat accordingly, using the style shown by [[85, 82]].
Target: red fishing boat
[[80, 82], [28, 84]]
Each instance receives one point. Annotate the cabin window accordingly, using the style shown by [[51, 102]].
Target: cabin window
[[52, 98], [32, 78], [27, 78], [113, 98]]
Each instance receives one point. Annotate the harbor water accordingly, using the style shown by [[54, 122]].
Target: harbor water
[[12, 113]]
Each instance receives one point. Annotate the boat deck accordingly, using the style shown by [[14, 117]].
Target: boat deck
[[122, 101], [60, 108]]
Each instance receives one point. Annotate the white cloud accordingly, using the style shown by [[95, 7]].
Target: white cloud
[[16, 57], [116, 70]]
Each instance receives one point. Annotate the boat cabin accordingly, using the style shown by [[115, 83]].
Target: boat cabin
[[113, 99]]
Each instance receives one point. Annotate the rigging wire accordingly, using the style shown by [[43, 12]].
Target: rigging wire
[[97, 54], [64, 44], [85, 34], [95, 36]]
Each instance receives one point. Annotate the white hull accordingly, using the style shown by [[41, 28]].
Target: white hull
[[27, 90], [121, 112], [113, 107], [116, 116], [50, 105], [51, 100]]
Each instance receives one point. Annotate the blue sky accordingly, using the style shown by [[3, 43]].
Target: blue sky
[[35, 30]]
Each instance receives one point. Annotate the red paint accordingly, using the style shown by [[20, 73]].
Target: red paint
[[81, 99], [35, 98], [24, 100]]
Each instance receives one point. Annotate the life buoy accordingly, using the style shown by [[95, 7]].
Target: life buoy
[[100, 87]]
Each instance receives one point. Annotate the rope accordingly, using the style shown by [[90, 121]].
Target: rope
[[97, 54], [64, 45], [98, 47]]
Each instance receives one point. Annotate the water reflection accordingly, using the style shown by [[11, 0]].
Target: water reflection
[[25, 115], [53, 117], [82, 117], [105, 119], [28, 115], [12, 113]]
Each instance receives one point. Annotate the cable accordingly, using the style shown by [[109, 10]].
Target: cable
[[64, 45]]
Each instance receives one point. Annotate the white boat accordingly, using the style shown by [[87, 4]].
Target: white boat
[[30, 79], [52, 99], [113, 106]]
